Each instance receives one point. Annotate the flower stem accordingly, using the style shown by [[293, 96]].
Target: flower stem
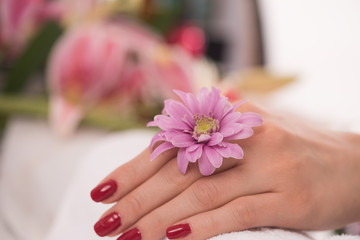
[[38, 107]]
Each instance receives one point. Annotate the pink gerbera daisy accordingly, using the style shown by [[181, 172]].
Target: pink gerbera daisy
[[201, 128]]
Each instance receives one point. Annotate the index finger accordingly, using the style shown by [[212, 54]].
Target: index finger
[[130, 175]]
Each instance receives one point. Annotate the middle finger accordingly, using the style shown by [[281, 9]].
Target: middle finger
[[203, 195]]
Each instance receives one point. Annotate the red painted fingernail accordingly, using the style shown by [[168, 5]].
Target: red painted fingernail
[[103, 191], [178, 231], [107, 224], [133, 234]]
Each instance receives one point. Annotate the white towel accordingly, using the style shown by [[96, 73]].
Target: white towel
[[264, 233], [279, 234]]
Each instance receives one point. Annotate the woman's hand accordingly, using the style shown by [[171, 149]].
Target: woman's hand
[[292, 176]]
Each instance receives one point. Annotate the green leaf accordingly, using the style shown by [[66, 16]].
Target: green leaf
[[33, 58]]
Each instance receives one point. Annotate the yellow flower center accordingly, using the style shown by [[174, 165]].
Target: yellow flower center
[[205, 125]]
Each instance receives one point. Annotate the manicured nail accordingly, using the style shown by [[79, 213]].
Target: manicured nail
[[107, 224], [178, 231], [103, 191], [133, 234]]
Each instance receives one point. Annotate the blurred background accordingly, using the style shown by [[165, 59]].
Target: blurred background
[[74, 72]]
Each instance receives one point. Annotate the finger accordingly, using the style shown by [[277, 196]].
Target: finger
[[203, 195], [240, 214], [130, 175], [160, 188], [166, 184]]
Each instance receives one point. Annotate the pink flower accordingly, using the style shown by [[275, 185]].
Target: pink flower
[[19, 19], [201, 128], [190, 37], [114, 62]]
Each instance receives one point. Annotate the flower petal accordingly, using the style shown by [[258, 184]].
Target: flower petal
[[182, 140], [193, 103], [206, 168], [236, 150], [213, 100], [158, 137], [214, 157], [164, 122], [189, 100], [230, 118], [182, 161], [251, 119], [194, 152], [230, 108], [220, 107], [229, 130], [160, 149], [216, 138], [151, 124], [181, 95], [177, 110], [244, 133], [203, 98], [204, 138], [227, 111], [167, 123], [223, 151]]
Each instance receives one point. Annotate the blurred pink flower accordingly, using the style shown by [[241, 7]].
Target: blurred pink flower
[[190, 37], [202, 128], [113, 61], [19, 19]]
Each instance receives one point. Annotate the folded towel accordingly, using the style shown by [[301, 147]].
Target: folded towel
[[279, 234], [344, 237], [263, 234]]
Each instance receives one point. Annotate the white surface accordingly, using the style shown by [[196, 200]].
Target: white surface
[[263, 234], [35, 170], [78, 212], [319, 42]]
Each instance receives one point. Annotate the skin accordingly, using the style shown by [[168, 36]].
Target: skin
[[292, 176]]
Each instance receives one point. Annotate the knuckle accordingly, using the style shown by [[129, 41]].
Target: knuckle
[[173, 176], [153, 219], [245, 215], [212, 222], [157, 220], [205, 193], [134, 203]]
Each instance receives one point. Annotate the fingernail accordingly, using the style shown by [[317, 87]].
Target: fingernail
[[133, 234], [107, 224], [178, 231], [103, 191]]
